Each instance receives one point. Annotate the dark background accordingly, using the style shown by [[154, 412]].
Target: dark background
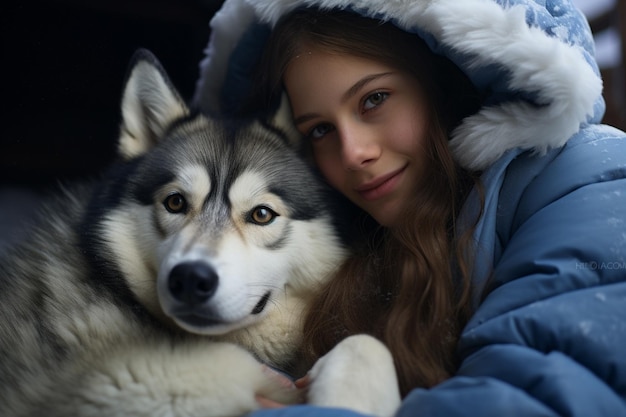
[[63, 64]]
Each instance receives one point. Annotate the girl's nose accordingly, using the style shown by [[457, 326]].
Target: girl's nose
[[359, 147]]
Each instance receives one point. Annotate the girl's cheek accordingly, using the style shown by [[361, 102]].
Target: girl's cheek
[[330, 168]]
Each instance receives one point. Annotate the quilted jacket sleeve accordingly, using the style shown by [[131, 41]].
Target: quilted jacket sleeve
[[549, 339]]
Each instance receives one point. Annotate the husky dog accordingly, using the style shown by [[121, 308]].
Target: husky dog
[[161, 289]]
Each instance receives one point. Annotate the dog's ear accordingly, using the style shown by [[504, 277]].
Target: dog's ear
[[150, 104], [282, 119]]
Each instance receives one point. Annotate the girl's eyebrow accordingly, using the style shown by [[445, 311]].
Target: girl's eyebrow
[[305, 118], [351, 92]]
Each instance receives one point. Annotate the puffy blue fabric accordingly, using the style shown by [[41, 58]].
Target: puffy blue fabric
[[549, 338], [549, 334]]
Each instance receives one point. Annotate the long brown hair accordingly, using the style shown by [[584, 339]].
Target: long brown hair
[[409, 285]]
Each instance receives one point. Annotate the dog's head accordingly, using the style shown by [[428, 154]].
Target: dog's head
[[217, 222]]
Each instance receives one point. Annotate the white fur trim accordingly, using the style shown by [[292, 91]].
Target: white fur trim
[[551, 70], [564, 83], [227, 27]]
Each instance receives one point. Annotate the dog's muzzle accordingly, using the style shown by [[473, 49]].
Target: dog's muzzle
[[193, 283]]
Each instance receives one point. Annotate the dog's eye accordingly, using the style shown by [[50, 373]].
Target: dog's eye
[[262, 215], [175, 203]]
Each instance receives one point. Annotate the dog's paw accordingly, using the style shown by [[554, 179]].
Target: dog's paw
[[358, 374]]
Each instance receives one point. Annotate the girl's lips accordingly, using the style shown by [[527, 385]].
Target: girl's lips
[[380, 186]]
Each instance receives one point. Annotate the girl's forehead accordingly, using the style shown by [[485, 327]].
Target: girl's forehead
[[320, 56], [316, 69]]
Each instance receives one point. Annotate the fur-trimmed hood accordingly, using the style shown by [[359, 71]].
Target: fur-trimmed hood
[[535, 58]]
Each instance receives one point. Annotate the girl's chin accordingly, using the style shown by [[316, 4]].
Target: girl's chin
[[386, 216]]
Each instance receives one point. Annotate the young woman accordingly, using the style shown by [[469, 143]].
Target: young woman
[[491, 254]]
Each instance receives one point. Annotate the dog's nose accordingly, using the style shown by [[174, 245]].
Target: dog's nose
[[193, 282]]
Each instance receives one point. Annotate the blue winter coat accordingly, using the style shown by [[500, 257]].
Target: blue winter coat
[[549, 337]]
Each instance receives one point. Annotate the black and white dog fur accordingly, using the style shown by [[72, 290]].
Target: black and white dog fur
[[161, 289]]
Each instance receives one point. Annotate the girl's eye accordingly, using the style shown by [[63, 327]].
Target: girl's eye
[[262, 215], [374, 100], [175, 203], [320, 131]]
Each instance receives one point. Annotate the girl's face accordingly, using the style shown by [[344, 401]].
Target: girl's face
[[367, 123]]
